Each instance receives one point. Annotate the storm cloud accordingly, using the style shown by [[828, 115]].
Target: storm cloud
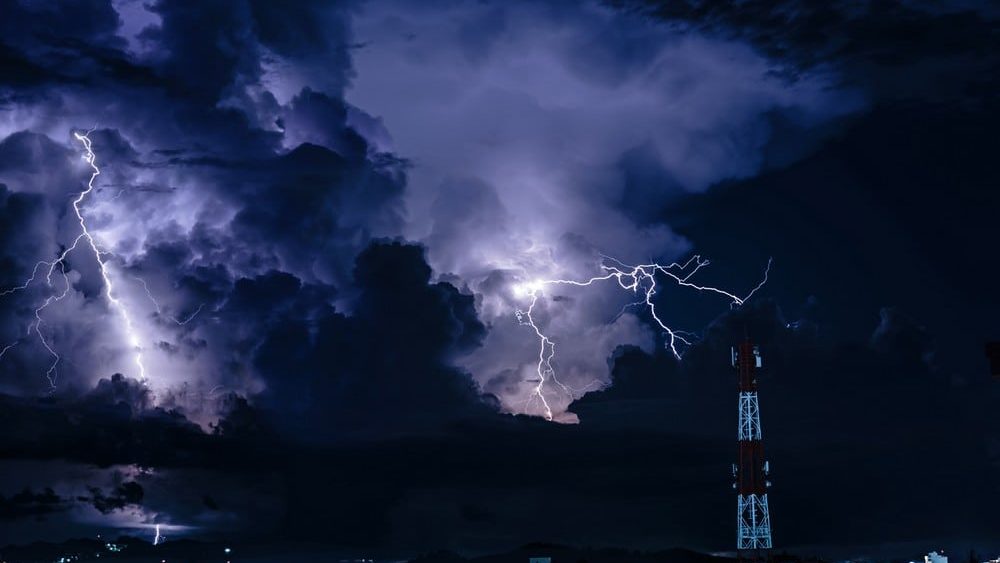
[[317, 218], [543, 138]]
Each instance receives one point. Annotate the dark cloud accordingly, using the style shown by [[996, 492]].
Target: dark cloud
[[202, 66], [123, 495], [31, 504], [871, 221], [340, 375], [387, 366], [100, 431], [21, 212], [899, 49], [119, 391], [39, 38]]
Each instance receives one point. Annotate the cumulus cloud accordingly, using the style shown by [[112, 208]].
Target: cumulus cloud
[[541, 138], [208, 177], [523, 145]]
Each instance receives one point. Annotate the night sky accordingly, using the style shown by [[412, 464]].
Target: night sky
[[288, 309]]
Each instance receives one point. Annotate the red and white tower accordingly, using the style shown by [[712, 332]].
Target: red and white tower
[[753, 519]]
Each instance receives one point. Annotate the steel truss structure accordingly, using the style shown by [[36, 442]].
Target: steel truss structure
[[753, 518]]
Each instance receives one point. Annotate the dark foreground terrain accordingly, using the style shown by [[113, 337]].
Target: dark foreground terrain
[[132, 550]]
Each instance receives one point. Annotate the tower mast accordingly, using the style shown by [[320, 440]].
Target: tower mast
[[753, 519]]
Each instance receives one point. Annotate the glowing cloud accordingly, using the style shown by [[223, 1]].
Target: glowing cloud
[[50, 267]]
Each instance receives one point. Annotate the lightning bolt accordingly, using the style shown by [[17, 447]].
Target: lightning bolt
[[159, 311], [640, 280], [59, 264], [158, 539]]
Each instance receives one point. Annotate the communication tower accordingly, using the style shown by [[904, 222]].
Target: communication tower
[[753, 518]]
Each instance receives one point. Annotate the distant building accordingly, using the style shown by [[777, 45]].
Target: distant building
[[935, 557], [549, 560]]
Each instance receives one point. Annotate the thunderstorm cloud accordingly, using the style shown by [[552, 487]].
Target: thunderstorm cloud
[[321, 218]]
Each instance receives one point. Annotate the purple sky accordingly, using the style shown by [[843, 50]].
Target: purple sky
[[320, 221]]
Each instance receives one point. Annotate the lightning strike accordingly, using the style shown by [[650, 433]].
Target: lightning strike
[[6, 348], [640, 280], [158, 539], [59, 264], [159, 311]]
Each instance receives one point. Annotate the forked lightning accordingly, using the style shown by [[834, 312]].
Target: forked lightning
[[59, 264], [637, 279]]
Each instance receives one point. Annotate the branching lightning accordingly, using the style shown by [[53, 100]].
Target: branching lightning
[[640, 280], [159, 311], [59, 264]]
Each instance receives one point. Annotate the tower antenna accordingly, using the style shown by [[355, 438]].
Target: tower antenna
[[753, 518]]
